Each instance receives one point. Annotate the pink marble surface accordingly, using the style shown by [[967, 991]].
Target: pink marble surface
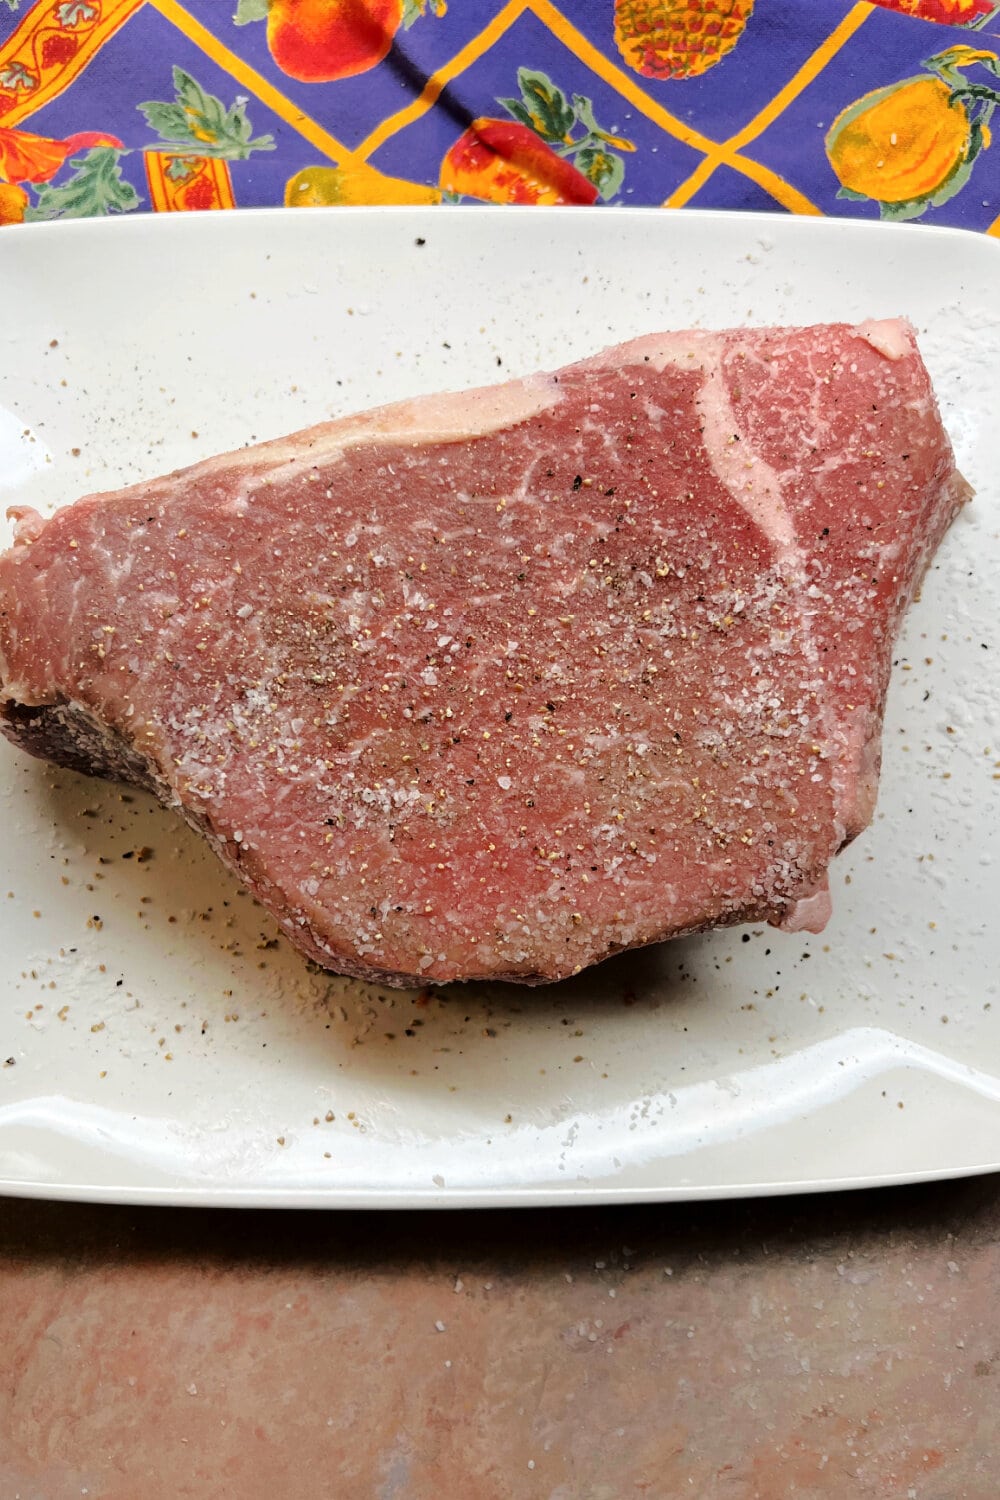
[[837, 1346]]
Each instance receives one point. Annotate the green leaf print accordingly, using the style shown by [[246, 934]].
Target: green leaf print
[[74, 12], [251, 10], [543, 107], [95, 189], [199, 124], [601, 167]]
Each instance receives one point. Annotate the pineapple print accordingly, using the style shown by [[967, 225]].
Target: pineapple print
[[678, 38]]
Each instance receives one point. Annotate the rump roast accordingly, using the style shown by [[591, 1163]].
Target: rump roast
[[495, 684]]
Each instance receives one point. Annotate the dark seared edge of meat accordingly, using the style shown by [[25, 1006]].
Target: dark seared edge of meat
[[66, 734]]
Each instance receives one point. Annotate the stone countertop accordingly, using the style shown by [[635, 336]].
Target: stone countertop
[[845, 1345]]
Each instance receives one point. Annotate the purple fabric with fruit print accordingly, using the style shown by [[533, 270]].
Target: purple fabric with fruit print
[[803, 106]]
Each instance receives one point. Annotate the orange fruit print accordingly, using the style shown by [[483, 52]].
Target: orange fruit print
[[904, 142], [912, 145], [318, 41], [25, 157], [13, 201], [321, 187], [947, 12], [505, 162]]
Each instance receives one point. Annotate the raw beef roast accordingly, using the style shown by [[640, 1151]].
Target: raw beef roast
[[496, 684]]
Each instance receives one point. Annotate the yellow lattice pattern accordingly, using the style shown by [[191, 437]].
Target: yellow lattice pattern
[[730, 152], [734, 152]]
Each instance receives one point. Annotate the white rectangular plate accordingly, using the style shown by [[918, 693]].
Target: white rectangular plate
[[162, 1044]]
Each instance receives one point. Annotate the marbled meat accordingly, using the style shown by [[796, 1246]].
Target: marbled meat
[[496, 684]]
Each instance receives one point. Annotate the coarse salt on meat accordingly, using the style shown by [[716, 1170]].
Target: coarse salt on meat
[[497, 683]]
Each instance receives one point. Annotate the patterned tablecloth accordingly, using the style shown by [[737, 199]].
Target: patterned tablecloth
[[802, 106]]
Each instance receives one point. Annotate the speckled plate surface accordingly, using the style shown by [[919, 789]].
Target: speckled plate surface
[[160, 1042]]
